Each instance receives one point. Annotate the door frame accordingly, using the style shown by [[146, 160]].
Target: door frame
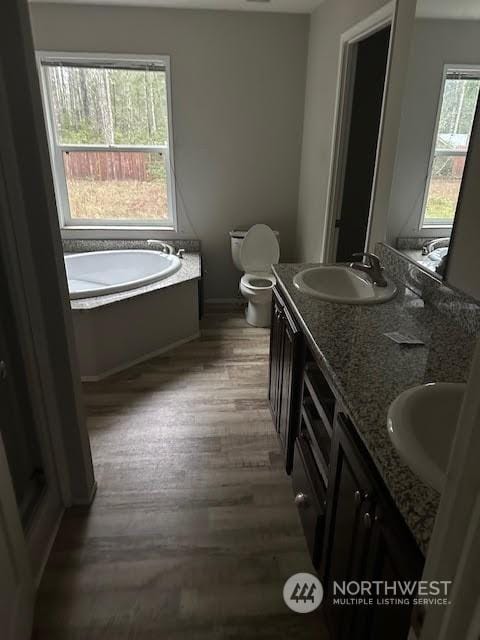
[[14, 245], [349, 41], [16, 582]]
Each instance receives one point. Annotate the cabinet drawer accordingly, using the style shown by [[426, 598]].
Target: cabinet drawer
[[318, 429], [309, 498], [321, 394]]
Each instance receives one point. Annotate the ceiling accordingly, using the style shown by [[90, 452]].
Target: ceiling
[[453, 9], [287, 6]]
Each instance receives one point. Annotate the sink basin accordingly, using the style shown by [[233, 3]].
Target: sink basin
[[421, 424], [340, 283]]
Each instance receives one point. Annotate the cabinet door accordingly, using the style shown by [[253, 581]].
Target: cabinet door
[[347, 538], [366, 539], [276, 353], [393, 556], [309, 497], [291, 387]]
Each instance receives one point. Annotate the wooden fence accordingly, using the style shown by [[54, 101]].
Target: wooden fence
[[108, 165]]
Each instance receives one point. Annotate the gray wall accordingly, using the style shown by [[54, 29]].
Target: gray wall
[[238, 87], [436, 43], [327, 24]]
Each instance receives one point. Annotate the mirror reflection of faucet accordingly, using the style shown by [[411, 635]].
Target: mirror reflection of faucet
[[433, 245], [434, 254]]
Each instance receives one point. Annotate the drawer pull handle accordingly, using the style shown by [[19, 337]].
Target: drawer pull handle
[[357, 497], [301, 500], [367, 520]]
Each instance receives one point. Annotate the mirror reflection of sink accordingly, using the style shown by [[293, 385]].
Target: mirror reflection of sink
[[342, 284], [421, 424]]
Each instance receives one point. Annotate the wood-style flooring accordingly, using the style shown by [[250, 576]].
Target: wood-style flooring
[[193, 530]]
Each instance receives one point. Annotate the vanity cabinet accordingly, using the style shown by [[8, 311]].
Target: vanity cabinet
[[366, 539], [353, 529], [286, 348]]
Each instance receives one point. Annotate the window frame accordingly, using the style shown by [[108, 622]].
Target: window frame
[[438, 224], [56, 149]]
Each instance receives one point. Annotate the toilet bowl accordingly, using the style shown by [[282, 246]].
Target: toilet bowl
[[254, 252]]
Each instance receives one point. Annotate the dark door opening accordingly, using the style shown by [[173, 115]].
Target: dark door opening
[[17, 423], [366, 112]]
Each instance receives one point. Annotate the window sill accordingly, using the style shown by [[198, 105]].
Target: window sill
[[111, 227], [86, 232], [436, 226]]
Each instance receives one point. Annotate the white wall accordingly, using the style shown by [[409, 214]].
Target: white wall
[[238, 87], [435, 43], [328, 22]]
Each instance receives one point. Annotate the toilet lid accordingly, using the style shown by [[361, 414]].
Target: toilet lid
[[259, 249]]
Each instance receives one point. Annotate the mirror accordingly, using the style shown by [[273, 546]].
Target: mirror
[[441, 94]]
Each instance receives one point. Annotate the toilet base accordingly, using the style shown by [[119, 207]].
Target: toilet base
[[258, 314]]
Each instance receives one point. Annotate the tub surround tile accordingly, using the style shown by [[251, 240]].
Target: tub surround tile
[[191, 269], [369, 371], [80, 246], [413, 243]]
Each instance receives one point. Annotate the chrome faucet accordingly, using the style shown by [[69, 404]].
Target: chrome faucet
[[371, 266], [431, 245], [166, 248], [163, 246]]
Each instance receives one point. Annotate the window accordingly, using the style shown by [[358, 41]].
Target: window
[[452, 137], [109, 126]]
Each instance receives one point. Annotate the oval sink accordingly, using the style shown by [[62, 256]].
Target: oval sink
[[421, 424], [342, 284]]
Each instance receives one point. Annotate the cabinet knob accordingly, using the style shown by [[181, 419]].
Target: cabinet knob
[[367, 520], [357, 497], [301, 499]]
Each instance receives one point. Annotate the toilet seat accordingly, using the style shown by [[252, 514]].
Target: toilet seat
[[258, 281]]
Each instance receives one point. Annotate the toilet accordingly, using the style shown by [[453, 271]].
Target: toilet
[[253, 252]]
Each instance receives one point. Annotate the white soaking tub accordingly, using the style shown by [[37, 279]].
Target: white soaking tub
[[98, 273]]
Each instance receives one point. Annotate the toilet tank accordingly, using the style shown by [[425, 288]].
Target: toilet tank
[[236, 239]]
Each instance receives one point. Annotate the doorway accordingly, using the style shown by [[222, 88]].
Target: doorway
[[366, 111], [364, 64]]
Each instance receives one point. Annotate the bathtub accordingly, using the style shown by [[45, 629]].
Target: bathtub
[[97, 273]]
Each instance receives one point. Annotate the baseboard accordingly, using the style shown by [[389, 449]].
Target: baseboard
[[43, 531], [85, 502], [147, 356]]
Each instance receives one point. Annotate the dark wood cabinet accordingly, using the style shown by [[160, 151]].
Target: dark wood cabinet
[[392, 556], [309, 497], [346, 536], [366, 539], [286, 343], [353, 529]]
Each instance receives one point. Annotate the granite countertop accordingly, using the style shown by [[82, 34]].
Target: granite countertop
[[190, 270], [369, 371]]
